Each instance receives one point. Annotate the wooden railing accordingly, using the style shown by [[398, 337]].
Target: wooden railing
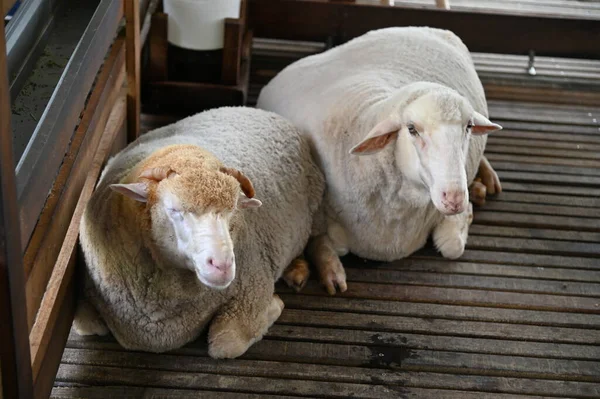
[[37, 290]]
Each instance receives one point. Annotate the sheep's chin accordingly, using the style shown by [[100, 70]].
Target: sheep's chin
[[211, 284]]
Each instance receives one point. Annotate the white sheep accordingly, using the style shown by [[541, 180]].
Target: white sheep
[[411, 100], [168, 247]]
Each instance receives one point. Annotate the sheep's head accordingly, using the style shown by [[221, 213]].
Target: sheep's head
[[188, 200], [431, 125]]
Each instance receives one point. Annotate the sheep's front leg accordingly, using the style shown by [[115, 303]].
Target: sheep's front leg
[[327, 261], [240, 324], [450, 236], [87, 320]]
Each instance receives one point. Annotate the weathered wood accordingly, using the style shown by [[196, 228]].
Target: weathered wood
[[431, 311], [539, 221], [133, 52], [445, 266], [318, 20], [549, 199], [50, 231], [62, 274], [104, 392], [263, 385], [546, 234], [320, 372], [550, 189], [14, 343], [232, 51]]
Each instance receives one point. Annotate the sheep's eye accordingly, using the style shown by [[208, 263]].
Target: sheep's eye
[[412, 130], [469, 126]]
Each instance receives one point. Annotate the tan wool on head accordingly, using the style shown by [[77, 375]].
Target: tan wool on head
[[196, 181]]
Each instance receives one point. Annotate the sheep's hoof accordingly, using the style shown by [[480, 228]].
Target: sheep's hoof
[[333, 275], [296, 275], [489, 177], [227, 344], [477, 192]]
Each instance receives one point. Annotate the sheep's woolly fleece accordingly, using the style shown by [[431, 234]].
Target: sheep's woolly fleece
[[160, 308]]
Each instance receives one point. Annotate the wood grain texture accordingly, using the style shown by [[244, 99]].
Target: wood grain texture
[[14, 343]]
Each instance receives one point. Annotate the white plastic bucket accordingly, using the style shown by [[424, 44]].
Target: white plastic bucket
[[199, 24]]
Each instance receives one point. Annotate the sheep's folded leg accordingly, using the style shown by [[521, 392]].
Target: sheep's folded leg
[[240, 325], [297, 273], [87, 320], [450, 236], [326, 260], [487, 182]]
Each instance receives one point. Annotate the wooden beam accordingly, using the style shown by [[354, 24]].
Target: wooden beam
[[14, 342], [444, 4], [45, 243], [482, 31], [133, 51], [62, 275]]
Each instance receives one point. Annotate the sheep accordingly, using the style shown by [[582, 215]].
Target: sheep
[[397, 120], [174, 239]]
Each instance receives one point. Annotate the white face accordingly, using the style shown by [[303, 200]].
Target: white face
[[201, 243], [435, 134], [442, 151]]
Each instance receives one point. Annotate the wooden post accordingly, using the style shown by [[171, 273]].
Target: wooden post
[[15, 356], [133, 51]]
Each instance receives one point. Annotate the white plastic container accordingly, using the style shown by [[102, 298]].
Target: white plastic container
[[199, 24]]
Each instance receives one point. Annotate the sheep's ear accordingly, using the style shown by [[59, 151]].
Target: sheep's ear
[[135, 191], [482, 125], [384, 133], [247, 203]]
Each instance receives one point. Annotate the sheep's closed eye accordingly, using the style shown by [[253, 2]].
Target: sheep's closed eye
[[469, 126], [176, 214]]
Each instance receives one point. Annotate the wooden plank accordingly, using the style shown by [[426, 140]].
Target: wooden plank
[[512, 124], [52, 226], [44, 383], [513, 258], [513, 149], [546, 234], [433, 342], [441, 311], [445, 266], [515, 161], [550, 189], [232, 51], [319, 372], [133, 54], [316, 20], [474, 281], [262, 385], [62, 274], [540, 221], [466, 297], [103, 392], [540, 143], [548, 199], [14, 343], [539, 209], [560, 137]]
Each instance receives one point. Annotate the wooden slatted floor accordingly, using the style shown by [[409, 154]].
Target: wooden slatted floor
[[518, 316]]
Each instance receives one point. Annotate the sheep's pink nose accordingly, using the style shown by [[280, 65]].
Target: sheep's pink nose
[[453, 200], [222, 265]]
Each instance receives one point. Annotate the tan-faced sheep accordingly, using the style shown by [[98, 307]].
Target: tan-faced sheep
[[411, 100], [167, 243]]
